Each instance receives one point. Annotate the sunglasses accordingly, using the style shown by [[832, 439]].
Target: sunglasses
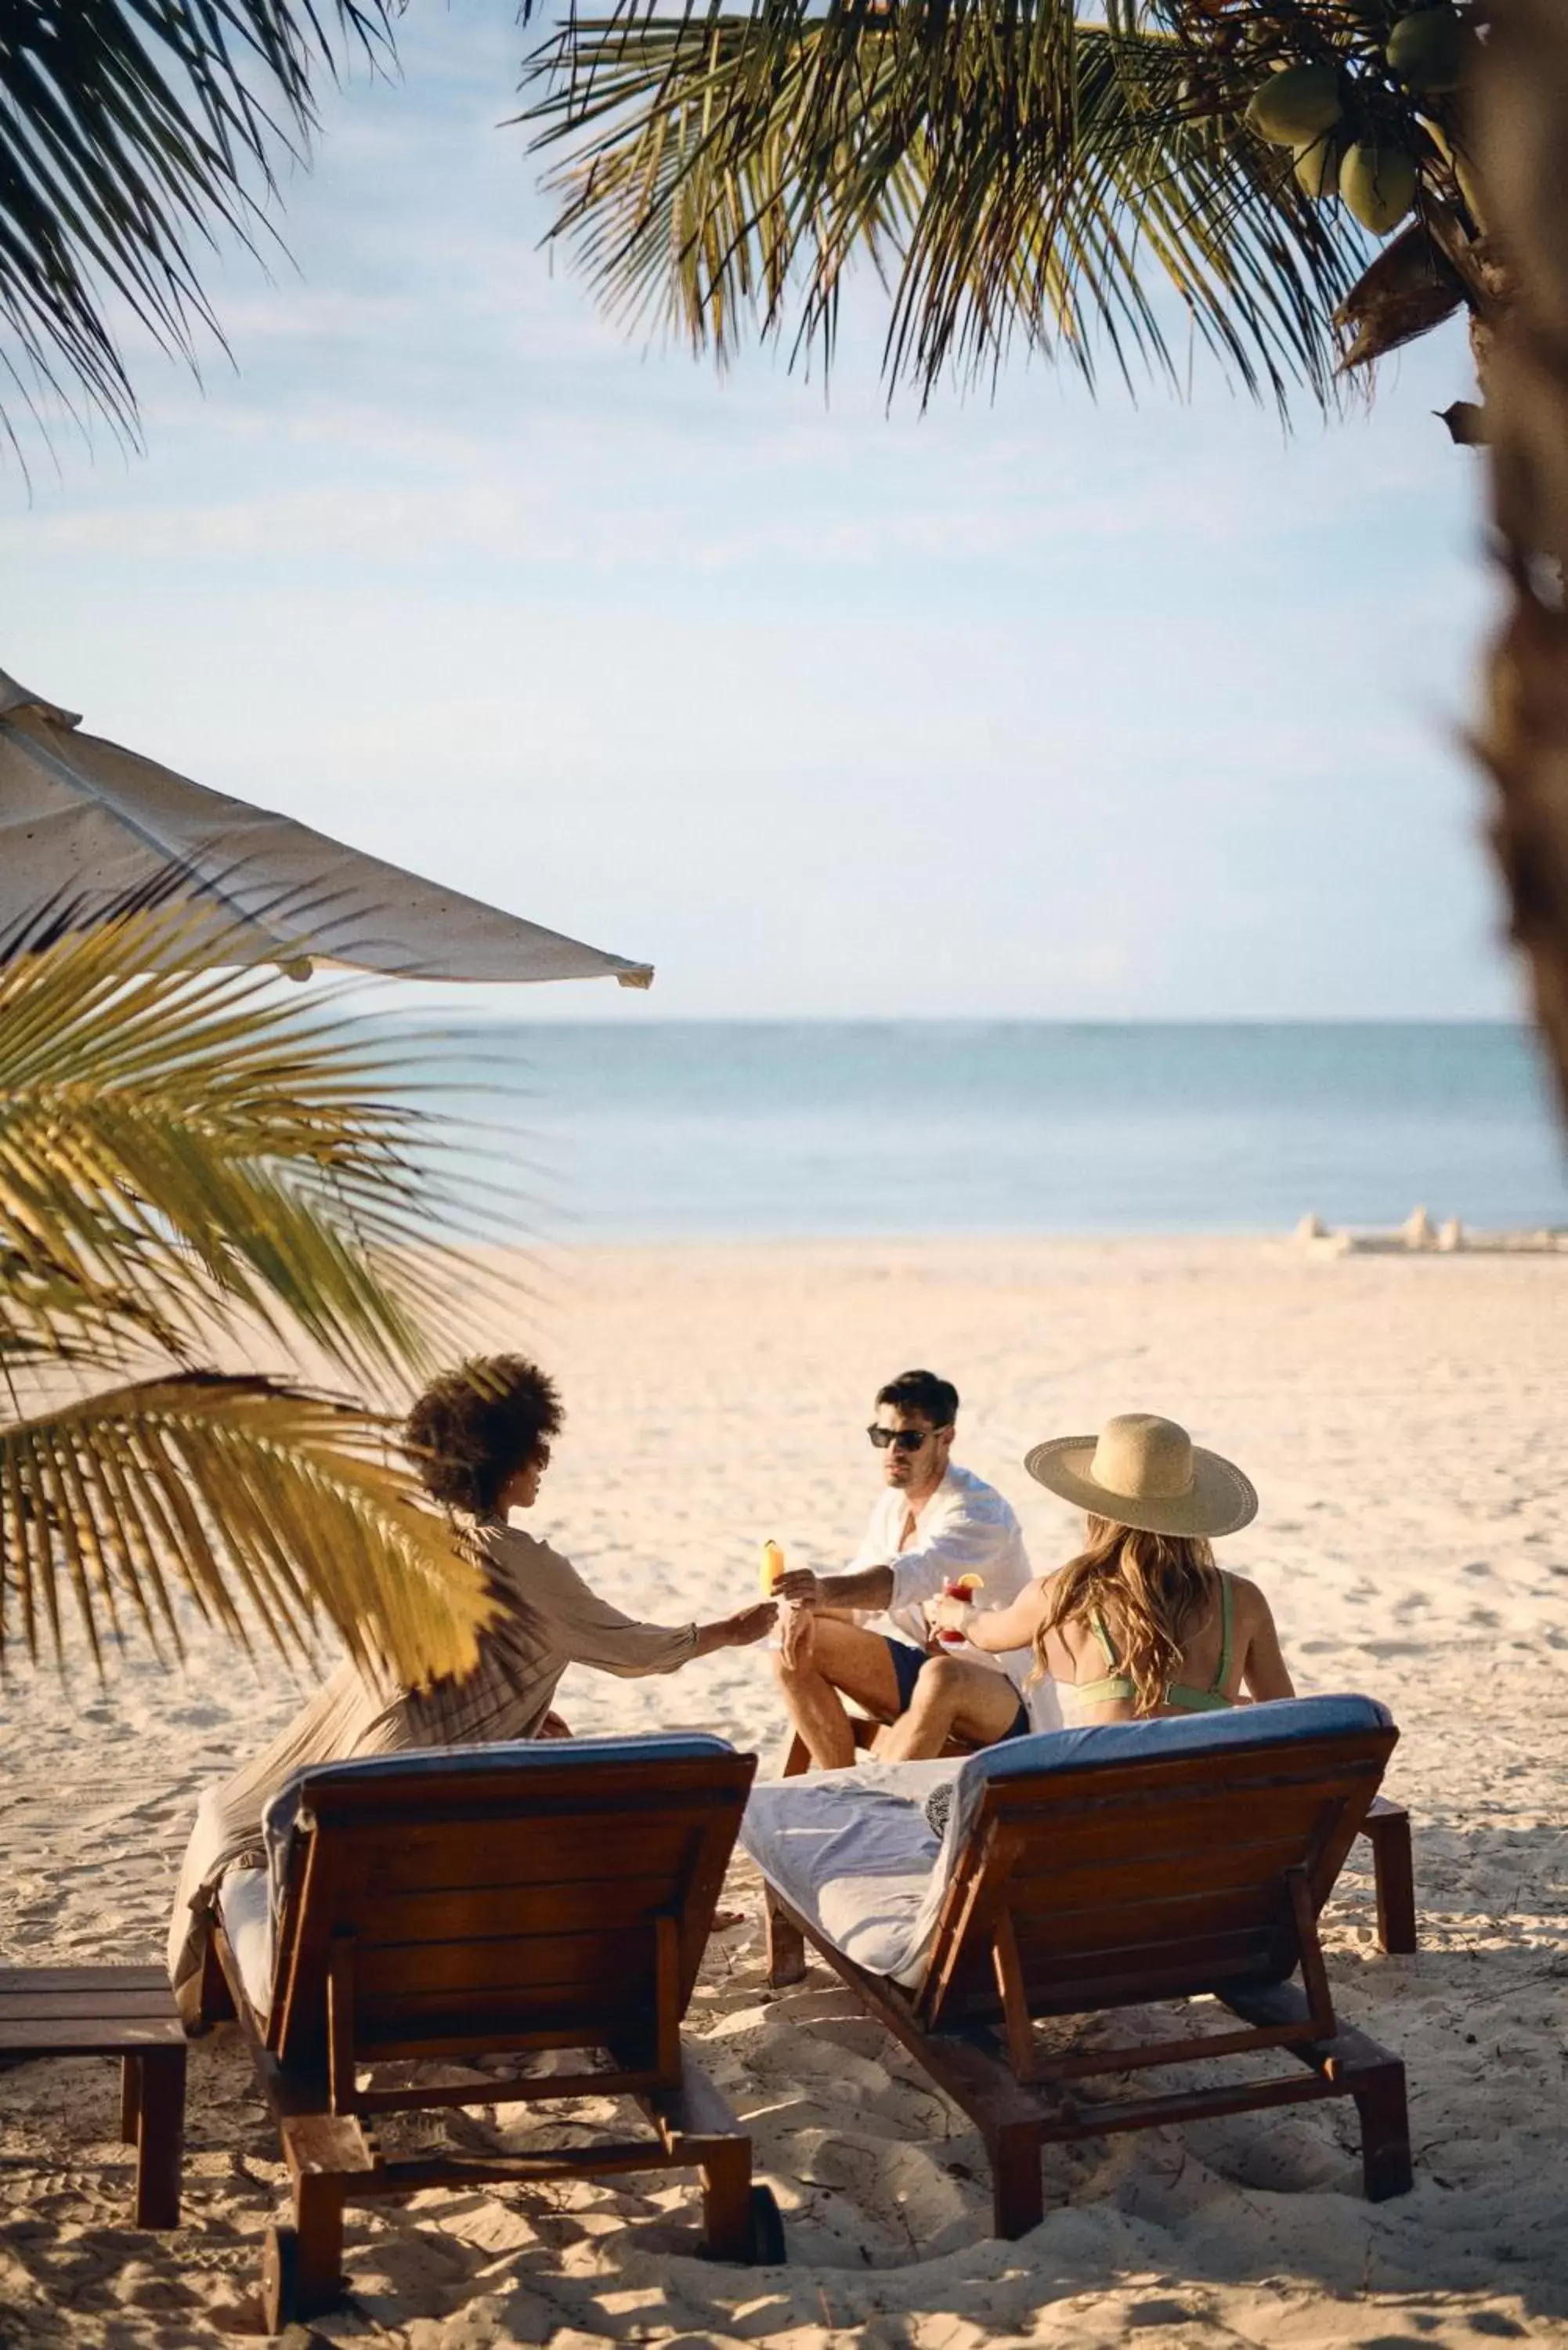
[[902, 1439]]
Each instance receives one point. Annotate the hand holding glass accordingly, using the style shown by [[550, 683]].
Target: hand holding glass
[[947, 1615], [792, 1621]]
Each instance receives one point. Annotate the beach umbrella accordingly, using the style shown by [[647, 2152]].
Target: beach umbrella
[[87, 828]]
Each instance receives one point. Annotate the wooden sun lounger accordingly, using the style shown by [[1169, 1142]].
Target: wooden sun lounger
[[1386, 1828], [1113, 1884], [442, 1906]]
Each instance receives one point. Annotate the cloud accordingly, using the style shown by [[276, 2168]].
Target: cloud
[[1025, 704], [374, 481]]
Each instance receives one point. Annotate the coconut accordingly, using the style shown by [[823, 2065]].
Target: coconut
[[1317, 167], [1378, 183], [1426, 50], [1294, 107]]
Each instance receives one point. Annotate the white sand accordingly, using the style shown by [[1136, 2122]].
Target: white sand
[[1403, 1421]]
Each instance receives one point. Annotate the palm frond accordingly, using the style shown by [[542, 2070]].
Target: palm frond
[[1011, 172], [261, 1504], [181, 1152], [130, 131]]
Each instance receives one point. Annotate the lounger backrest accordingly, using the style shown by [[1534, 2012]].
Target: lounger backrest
[[1148, 1860], [498, 1896]]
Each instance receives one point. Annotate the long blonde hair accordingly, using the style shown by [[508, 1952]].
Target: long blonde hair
[[1161, 1585]]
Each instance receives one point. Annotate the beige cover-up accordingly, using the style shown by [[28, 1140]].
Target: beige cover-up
[[549, 1620]]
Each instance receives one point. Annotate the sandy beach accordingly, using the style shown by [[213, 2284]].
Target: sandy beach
[[1402, 1420]]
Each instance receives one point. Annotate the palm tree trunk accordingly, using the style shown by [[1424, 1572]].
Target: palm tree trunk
[[1525, 734]]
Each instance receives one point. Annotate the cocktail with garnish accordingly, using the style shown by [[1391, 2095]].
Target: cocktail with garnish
[[962, 1587]]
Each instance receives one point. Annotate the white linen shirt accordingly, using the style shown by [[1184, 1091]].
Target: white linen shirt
[[966, 1527]]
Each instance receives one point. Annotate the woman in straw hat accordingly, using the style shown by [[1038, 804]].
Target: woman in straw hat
[[1142, 1621]]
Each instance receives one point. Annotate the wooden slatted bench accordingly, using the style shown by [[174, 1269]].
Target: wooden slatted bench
[[124, 2011]]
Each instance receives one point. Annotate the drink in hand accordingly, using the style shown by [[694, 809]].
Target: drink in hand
[[963, 1587], [792, 1621]]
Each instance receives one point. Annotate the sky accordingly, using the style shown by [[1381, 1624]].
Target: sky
[[1024, 707]]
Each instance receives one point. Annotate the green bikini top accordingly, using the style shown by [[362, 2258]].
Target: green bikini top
[[1115, 1684]]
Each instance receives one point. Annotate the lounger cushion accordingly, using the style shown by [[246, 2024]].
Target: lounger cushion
[[853, 1851], [245, 1909], [455, 1763], [447, 1763], [1287, 1721]]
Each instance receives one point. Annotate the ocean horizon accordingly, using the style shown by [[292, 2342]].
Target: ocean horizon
[[690, 1130]]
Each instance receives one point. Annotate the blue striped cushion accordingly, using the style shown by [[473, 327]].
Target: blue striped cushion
[[456, 1763], [452, 1764], [1286, 1720]]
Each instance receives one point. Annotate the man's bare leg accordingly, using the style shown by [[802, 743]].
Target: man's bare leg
[[834, 1657], [952, 1695]]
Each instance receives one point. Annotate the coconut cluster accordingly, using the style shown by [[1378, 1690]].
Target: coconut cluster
[[1364, 96]]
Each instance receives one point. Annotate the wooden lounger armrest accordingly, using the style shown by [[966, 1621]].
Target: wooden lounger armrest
[[1386, 1828]]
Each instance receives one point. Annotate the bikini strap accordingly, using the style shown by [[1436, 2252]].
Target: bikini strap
[[1223, 1674], [1098, 1626]]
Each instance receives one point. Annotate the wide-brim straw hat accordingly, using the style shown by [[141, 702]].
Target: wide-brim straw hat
[[1145, 1472]]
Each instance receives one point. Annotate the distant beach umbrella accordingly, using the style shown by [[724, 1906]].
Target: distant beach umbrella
[[87, 828]]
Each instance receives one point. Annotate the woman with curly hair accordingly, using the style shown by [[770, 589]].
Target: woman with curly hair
[[479, 1438], [1142, 1621]]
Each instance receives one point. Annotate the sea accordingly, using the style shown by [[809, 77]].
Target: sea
[[648, 1131]]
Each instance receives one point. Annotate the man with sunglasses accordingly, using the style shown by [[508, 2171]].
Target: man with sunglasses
[[863, 1634]]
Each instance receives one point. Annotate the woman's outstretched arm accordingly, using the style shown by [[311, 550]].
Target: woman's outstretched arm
[[592, 1631], [739, 1630], [993, 1629]]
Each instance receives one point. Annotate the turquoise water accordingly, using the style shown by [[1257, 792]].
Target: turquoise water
[[680, 1131]]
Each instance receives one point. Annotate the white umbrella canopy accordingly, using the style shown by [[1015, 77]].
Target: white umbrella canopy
[[86, 827]]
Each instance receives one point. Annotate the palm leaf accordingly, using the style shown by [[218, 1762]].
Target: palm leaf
[[1011, 172], [181, 1155], [130, 131], [261, 1504]]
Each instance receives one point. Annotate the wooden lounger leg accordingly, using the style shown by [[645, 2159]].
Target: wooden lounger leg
[[319, 2218], [698, 2125], [727, 2200], [1380, 2095], [1386, 1828], [785, 1944], [1017, 2190], [302, 2275], [159, 2118], [130, 2100]]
